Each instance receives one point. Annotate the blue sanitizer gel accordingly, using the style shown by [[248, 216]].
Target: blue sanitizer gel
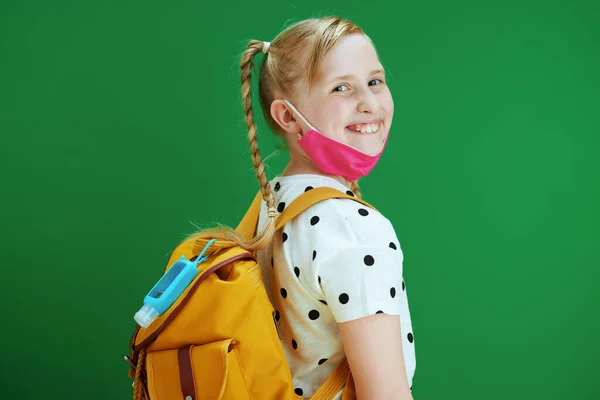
[[169, 288]]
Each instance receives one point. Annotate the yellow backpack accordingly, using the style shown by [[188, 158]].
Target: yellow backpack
[[219, 340]]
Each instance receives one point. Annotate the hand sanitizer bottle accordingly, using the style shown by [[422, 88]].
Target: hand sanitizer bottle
[[168, 288]]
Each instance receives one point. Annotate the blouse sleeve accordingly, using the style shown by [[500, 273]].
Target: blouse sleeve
[[357, 259], [361, 280]]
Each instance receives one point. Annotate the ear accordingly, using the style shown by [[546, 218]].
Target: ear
[[284, 117]]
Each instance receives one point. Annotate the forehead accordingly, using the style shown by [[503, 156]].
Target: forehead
[[351, 55]]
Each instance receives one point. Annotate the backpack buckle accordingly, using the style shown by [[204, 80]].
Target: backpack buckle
[[131, 363]]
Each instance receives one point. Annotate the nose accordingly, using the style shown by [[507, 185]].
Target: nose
[[367, 102]]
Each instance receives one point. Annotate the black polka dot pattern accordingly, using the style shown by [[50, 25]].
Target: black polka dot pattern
[[351, 295], [344, 298], [281, 206], [299, 391]]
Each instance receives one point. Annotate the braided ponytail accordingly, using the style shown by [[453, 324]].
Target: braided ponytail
[[263, 238], [227, 234]]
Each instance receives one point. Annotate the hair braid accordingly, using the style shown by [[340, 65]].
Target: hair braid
[[355, 189], [246, 65], [247, 62]]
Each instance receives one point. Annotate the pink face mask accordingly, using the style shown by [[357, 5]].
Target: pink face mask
[[334, 157]]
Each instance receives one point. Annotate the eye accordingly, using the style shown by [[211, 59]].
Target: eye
[[376, 80], [336, 89]]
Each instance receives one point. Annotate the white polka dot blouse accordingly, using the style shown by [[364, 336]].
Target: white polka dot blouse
[[336, 262]]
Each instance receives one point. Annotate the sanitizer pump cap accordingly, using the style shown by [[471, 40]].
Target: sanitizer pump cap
[[146, 315]]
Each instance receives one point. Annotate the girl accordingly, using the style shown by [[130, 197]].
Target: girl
[[333, 274]]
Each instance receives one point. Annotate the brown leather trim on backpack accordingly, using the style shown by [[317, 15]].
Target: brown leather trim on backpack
[[133, 355], [186, 374], [176, 311]]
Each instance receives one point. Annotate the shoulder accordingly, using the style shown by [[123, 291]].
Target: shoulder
[[342, 223], [356, 262], [352, 216]]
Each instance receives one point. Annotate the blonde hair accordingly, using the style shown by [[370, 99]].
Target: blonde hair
[[304, 43]]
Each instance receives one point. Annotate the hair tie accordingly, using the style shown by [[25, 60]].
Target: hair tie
[[266, 46], [272, 213]]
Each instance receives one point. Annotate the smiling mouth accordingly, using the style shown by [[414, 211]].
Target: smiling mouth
[[365, 129]]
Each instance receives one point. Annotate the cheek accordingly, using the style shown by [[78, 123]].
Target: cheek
[[329, 116], [388, 105], [332, 109]]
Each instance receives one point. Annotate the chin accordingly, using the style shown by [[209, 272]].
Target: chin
[[369, 144]]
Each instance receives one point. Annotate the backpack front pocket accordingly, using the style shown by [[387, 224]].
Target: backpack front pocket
[[206, 372]]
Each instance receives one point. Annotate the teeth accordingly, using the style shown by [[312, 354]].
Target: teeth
[[367, 128]]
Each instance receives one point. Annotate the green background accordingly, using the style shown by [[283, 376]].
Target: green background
[[121, 126]]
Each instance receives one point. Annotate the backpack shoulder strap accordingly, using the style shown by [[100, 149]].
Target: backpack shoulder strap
[[309, 199], [341, 377], [248, 224]]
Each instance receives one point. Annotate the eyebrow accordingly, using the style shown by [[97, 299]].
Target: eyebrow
[[376, 71]]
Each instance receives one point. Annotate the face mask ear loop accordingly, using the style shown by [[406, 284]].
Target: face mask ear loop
[[300, 115]]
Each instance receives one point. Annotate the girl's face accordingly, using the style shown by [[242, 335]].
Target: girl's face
[[350, 102]]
